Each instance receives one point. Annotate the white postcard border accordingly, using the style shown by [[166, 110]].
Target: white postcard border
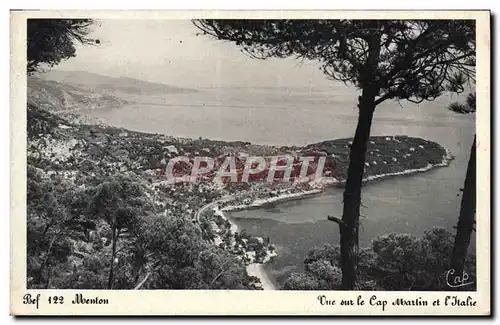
[[226, 302]]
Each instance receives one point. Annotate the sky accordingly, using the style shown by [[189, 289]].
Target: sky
[[170, 52]]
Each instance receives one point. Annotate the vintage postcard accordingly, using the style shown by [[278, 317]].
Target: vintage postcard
[[250, 163]]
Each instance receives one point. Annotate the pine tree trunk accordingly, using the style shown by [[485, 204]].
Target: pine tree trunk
[[45, 261], [49, 277], [113, 252], [349, 225], [465, 218]]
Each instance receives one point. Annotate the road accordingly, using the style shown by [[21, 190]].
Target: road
[[254, 269], [210, 205], [257, 269]]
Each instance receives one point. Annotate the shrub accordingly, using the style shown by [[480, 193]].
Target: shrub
[[471, 102], [394, 262], [458, 108]]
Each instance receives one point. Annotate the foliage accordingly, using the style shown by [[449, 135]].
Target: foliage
[[386, 59], [471, 101], [464, 108], [71, 242], [303, 281], [119, 200], [181, 259], [49, 225], [49, 41], [394, 262], [458, 108], [415, 59]]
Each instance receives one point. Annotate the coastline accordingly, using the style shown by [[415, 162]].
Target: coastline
[[84, 154], [444, 163], [253, 268], [259, 203], [257, 269]]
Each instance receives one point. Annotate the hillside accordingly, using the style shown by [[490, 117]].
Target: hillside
[[68, 167], [54, 96], [72, 167], [111, 84]]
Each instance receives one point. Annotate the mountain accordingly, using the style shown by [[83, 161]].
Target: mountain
[[55, 96], [111, 84]]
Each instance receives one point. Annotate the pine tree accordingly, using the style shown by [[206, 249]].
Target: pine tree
[[467, 216], [49, 41], [385, 59]]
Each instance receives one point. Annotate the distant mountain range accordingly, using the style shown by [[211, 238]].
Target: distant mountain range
[[72, 90], [54, 96], [111, 84]]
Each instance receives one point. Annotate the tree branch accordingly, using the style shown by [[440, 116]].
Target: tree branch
[[382, 99], [138, 286], [335, 219]]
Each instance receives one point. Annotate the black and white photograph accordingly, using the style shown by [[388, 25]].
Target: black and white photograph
[[248, 154]]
